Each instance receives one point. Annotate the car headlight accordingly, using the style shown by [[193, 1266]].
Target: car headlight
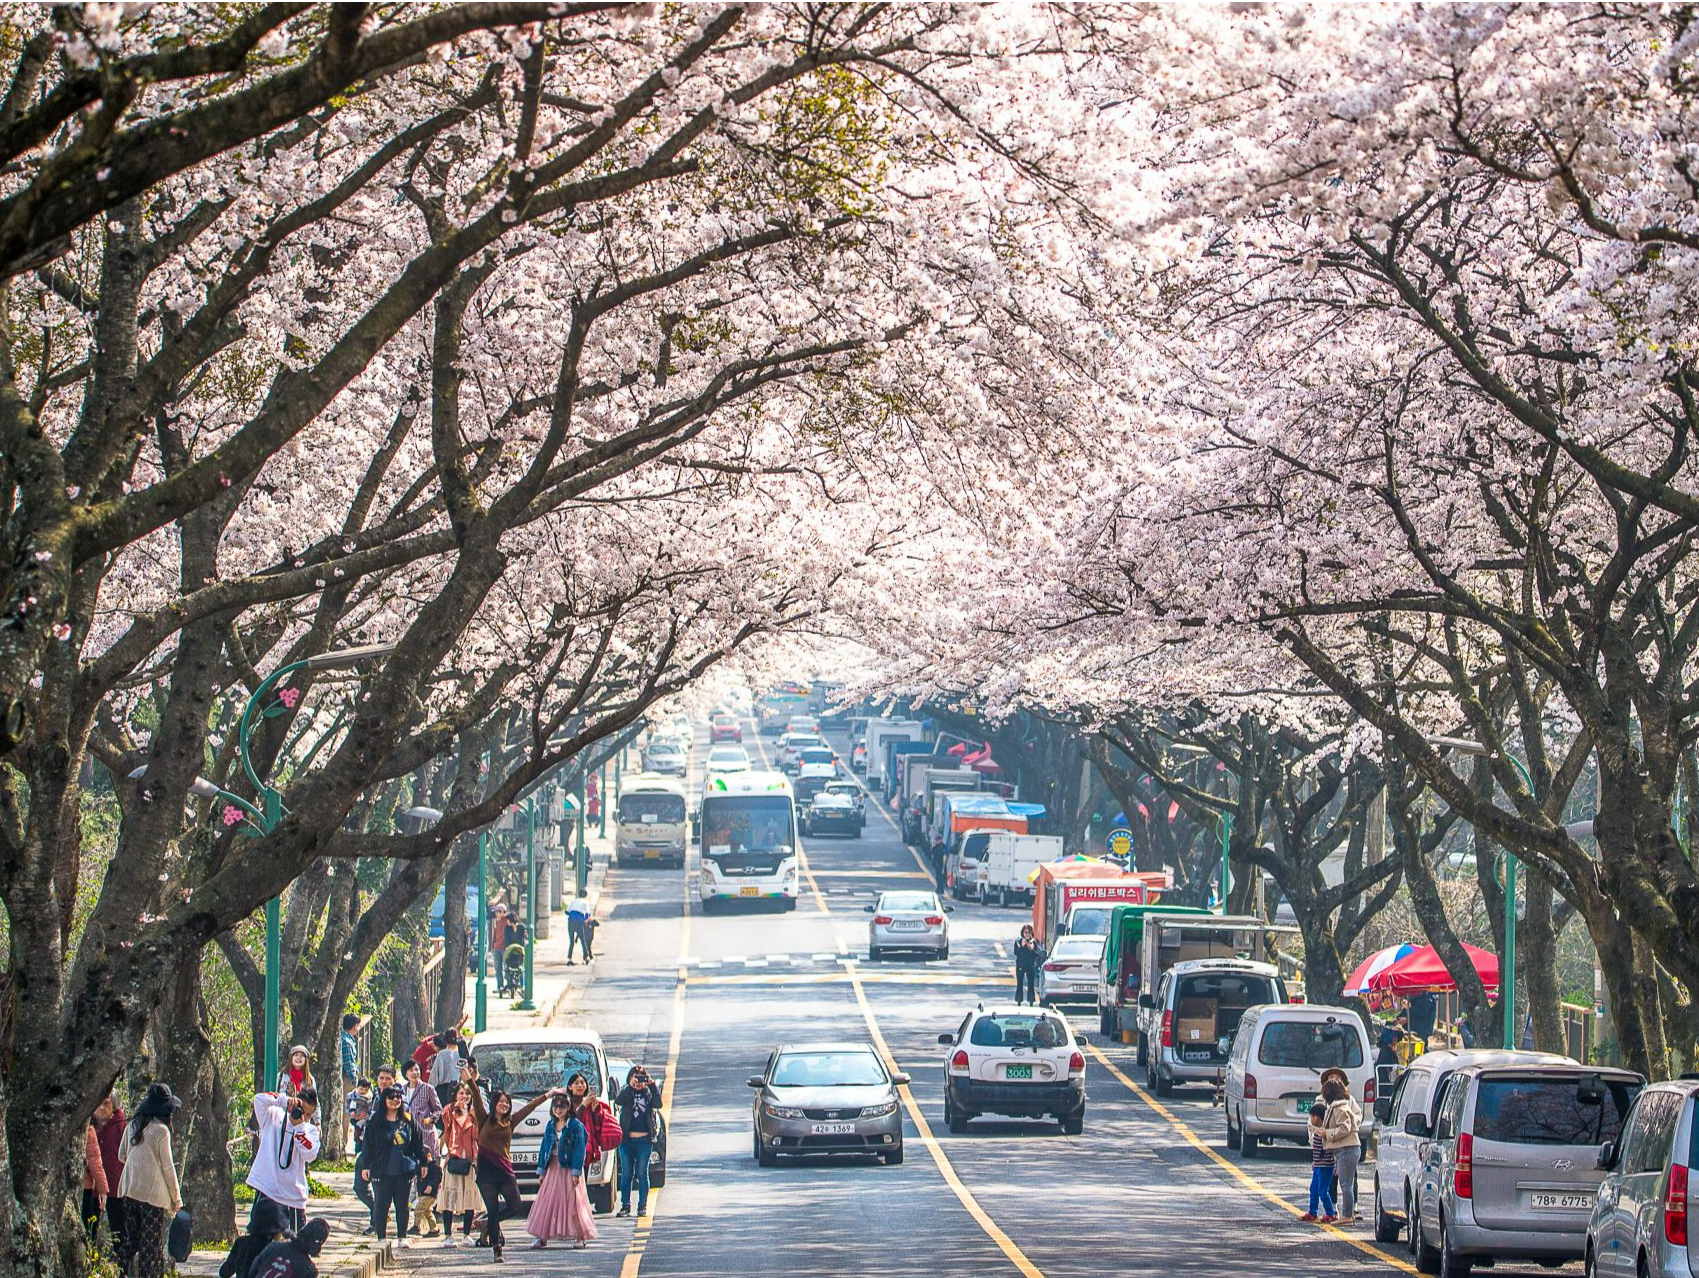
[[708, 870], [879, 1111], [780, 1111]]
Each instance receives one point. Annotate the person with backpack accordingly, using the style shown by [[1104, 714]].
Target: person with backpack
[[293, 1257], [265, 1227], [149, 1185], [395, 1151]]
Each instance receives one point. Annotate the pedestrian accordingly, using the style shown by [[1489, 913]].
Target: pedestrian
[[149, 1185], [496, 1185], [95, 1188], [293, 1257], [394, 1153], [264, 1228], [350, 1053], [426, 1052], [109, 1127], [1341, 1137], [498, 935], [359, 1109], [591, 923], [1390, 1036], [1321, 1169], [289, 1140], [639, 1104], [562, 1206], [296, 1076], [1029, 957], [386, 1077], [577, 914], [363, 1188], [936, 856], [459, 1193], [1424, 1014], [1465, 1029], [430, 1178], [601, 1125], [422, 1099], [444, 1074]]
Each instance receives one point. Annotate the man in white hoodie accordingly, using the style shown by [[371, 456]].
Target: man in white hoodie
[[289, 1140]]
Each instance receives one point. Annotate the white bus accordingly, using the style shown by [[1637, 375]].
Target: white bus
[[749, 842], [650, 822]]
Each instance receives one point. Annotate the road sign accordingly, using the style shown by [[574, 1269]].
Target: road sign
[[1120, 842]]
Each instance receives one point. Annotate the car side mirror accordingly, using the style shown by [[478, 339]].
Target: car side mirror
[[1147, 1000], [1383, 1109], [947, 1039], [1607, 1155], [900, 1080], [868, 908], [949, 909], [755, 1080], [1417, 1125]]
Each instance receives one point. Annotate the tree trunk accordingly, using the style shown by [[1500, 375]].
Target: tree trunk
[[410, 1024], [1536, 964], [451, 992], [202, 1126]]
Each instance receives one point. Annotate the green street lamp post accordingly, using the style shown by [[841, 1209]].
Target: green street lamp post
[[602, 808], [481, 993], [583, 858], [1507, 978], [525, 1003]]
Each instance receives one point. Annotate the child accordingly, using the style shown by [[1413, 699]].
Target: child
[[1321, 1169], [360, 1110], [430, 1178], [590, 926]]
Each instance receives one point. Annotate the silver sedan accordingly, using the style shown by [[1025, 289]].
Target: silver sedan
[[908, 921], [827, 1098]]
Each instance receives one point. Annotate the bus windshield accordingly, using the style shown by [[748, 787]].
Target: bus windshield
[[747, 823], [650, 808]]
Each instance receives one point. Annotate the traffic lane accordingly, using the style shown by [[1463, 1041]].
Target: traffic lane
[[723, 1213], [1109, 1198]]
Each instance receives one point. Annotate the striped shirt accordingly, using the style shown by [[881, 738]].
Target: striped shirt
[[1320, 1155]]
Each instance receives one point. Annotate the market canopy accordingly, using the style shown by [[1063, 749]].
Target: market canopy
[[1417, 969]]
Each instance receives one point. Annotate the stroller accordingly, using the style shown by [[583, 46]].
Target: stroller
[[512, 969]]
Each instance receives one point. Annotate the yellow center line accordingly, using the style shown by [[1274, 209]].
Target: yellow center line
[[964, 1195], [1233, 1169]]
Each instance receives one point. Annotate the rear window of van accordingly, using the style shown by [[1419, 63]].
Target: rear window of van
[[1549, 1111], [1311, 1045]]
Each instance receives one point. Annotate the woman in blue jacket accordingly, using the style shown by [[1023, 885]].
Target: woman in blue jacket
[[562, 1209]]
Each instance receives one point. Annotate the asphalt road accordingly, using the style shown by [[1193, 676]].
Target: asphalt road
[[1148, 1187]]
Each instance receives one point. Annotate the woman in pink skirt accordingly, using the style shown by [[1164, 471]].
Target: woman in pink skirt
[[562, 1206]]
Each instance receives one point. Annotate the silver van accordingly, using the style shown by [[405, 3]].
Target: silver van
[[1275, 1065], [1191, 1018], [1510, 1169], [1640, 1223]]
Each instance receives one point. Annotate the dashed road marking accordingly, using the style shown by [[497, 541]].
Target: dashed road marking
[[847, 978]]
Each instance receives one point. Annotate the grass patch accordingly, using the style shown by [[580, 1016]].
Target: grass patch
[[316, 1188], [333, 1164]]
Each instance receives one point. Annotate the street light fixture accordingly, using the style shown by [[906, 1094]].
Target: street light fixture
[[1507, 981]]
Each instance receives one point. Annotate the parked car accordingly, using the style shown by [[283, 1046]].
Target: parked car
[[1019, 1061], [1069, 975], [658, 1150], [832, 814], [1417, 1094], [827, 1098], [527, 1062], [1187, 1024], [1639, 1227], [1274, 1066], [725, 727], [858, 758], [908, 921], [665, 756], [1510, 1169]]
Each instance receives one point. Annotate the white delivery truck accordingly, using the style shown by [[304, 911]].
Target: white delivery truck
[[879, 731], [1010, 860]]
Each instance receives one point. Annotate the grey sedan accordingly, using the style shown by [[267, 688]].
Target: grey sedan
[[827, 1098], [908, 921]]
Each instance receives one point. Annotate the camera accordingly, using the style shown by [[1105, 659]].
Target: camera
[[297, 1111]]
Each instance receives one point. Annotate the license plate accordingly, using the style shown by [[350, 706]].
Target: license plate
[[652, 854], [907, 925], [1304, 1104], [749, 891], [1017, 1071], [833, 1129], [1561, 1202], [524, 1160], [1083, 989]]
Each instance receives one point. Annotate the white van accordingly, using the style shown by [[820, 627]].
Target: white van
[[1193, 1013], [1274, 1070], [1397, 1151], [528, 1062], [650, 824]]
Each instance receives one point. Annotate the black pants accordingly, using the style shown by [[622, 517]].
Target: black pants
[[294, 1217], [115, 1218], [500, 1193], [576, 936], [143, 1253], [363, 1191], [387, 1190], [91, 1215], [1026, 984]]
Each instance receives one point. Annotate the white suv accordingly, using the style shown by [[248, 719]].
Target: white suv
[[1015, 1060]]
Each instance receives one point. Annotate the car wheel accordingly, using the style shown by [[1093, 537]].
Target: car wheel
[[763, 1156], [602, 1198], [1386, 1227], [1164, 1086], [1002, 898], [1248, 1142], [1073, 1124], [944, 955], [954, 1119], [1451, 1265], [893, 1157], [790, 905], [1103, 1025], [1427, 1256], [658, 1176], [874, 954], [1232, 1131], [1140, 1054]]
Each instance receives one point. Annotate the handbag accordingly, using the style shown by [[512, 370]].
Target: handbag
[[178, 1239], [455, 1165]]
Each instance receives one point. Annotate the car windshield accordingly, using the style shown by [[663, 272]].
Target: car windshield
[[908, 901], [529, 1069], [848, 789], [1089, 922], [1018, 1029], [665, 747], [1550, 1111], [1311, 1045], [721, 755], [816, 755], [827, 1069], [836, 802], [1082, 950], [646, 809]]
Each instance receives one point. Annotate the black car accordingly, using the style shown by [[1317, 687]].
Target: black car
[[832, 814]]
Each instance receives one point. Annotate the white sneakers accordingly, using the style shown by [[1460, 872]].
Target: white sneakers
[[537, 1244], [448, 1240], [403, 1243]]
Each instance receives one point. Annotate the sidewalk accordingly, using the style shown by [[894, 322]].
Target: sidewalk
[[554, 984], [347, 1254]]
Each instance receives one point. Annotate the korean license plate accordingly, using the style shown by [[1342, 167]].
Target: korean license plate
[[833, 1129], [1560, 1202], [907, 925], [1304, 1104], [524, 1160], [1082, 989], [749, 891], [651, 854], [1017, 1071]]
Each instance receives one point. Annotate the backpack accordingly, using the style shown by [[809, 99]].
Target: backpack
[[179, 1239]]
